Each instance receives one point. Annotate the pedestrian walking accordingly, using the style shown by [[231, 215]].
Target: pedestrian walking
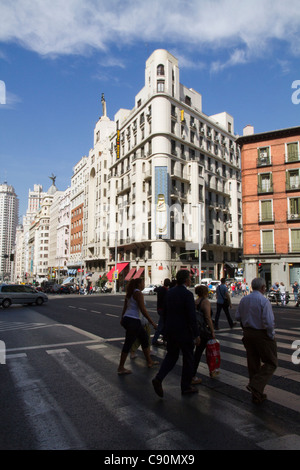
[[182, 333], [223, 303], [205, 325], [282, 291], [257, 320], [161, 293], [295, 289], [134, 306]]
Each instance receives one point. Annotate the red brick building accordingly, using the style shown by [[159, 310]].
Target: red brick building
[[270, 164]]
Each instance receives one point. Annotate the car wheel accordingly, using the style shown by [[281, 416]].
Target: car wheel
[[6, 303], [39, 301]]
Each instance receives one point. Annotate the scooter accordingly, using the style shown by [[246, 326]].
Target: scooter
[[276, 297]]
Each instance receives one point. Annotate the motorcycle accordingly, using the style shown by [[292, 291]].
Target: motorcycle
[[278, 298]]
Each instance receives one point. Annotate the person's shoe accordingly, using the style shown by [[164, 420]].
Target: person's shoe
[[257, 397], [157, 387], [234, 324], [196, 380], [189, 391]]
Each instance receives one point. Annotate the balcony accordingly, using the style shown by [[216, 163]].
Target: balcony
[[267, 248], [294, 247], [263, 161], [292, 185], [292, 157], [267, 218], [292, 217], [265, 188]]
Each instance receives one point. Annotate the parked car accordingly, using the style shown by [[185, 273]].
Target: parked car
[[149, 289], [20, 294], [214, 285], [64, 290]]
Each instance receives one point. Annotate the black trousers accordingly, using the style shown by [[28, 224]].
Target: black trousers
[[174, 347], [134, 329], [226, 311]]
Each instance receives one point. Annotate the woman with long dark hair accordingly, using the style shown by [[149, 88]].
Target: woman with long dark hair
[[134, 305]]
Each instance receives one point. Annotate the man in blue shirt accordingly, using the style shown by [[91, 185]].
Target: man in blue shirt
[[223, 302]]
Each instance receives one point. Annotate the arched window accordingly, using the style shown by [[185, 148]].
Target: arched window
[[160, 69]]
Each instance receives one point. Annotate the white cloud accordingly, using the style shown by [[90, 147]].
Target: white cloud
[[55, 27]]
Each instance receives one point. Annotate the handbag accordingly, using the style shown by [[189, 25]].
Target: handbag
[[213, 357], [204, 330]]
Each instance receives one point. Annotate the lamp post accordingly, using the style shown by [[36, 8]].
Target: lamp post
[[199, 205]]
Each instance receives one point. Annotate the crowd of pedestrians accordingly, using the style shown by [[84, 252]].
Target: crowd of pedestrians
[[187, 325]]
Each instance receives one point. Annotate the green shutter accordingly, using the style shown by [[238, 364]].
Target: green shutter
[[267, 241], [292, 152], [295, 240], [266, 210]]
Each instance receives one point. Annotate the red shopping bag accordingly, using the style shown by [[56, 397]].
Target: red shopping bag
[[213, 357]]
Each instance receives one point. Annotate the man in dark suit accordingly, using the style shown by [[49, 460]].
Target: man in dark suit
[[181, 332]]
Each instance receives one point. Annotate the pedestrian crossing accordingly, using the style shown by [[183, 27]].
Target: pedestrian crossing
[[223, 400]]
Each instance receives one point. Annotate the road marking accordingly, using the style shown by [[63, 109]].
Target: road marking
[[51, 426], [157, 434]]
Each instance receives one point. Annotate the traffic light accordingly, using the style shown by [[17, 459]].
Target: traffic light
[[260, 268]]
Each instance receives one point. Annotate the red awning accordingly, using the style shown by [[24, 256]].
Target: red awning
[[120, 267], [130, 274], [138, 273]]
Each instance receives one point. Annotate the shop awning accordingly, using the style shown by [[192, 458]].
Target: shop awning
[[120, 267], [130, 274], [232, 265], [138, 273]]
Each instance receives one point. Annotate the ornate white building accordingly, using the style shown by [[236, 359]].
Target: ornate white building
[[168, 165]]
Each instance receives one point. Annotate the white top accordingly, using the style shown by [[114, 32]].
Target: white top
[[132, 309], [255, 311]]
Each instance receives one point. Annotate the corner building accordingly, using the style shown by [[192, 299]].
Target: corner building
[[271, 204], [170, 176]]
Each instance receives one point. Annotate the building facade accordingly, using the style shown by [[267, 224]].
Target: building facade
[[271, 204], [9, 213], [169, 182]]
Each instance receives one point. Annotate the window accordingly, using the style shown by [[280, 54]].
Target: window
[[267, 242], [263, 156], [295, 240], [292, 180], [160, 86], [160, 69], [265, 183], [266, 211], [292, 152], [294, 208]]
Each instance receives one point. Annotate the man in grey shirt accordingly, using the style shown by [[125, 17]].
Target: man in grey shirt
[[257, 319]]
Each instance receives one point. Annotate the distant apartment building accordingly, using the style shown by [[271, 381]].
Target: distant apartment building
[[160, 178], [9, 213], [271, 204], [75, 262], [37, 245]]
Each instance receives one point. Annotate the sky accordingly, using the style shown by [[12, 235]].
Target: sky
[[58, 57]]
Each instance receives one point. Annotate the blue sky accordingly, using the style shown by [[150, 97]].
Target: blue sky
[[58, 57]]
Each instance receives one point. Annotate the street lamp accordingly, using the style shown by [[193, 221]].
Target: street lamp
[[200, 237]]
